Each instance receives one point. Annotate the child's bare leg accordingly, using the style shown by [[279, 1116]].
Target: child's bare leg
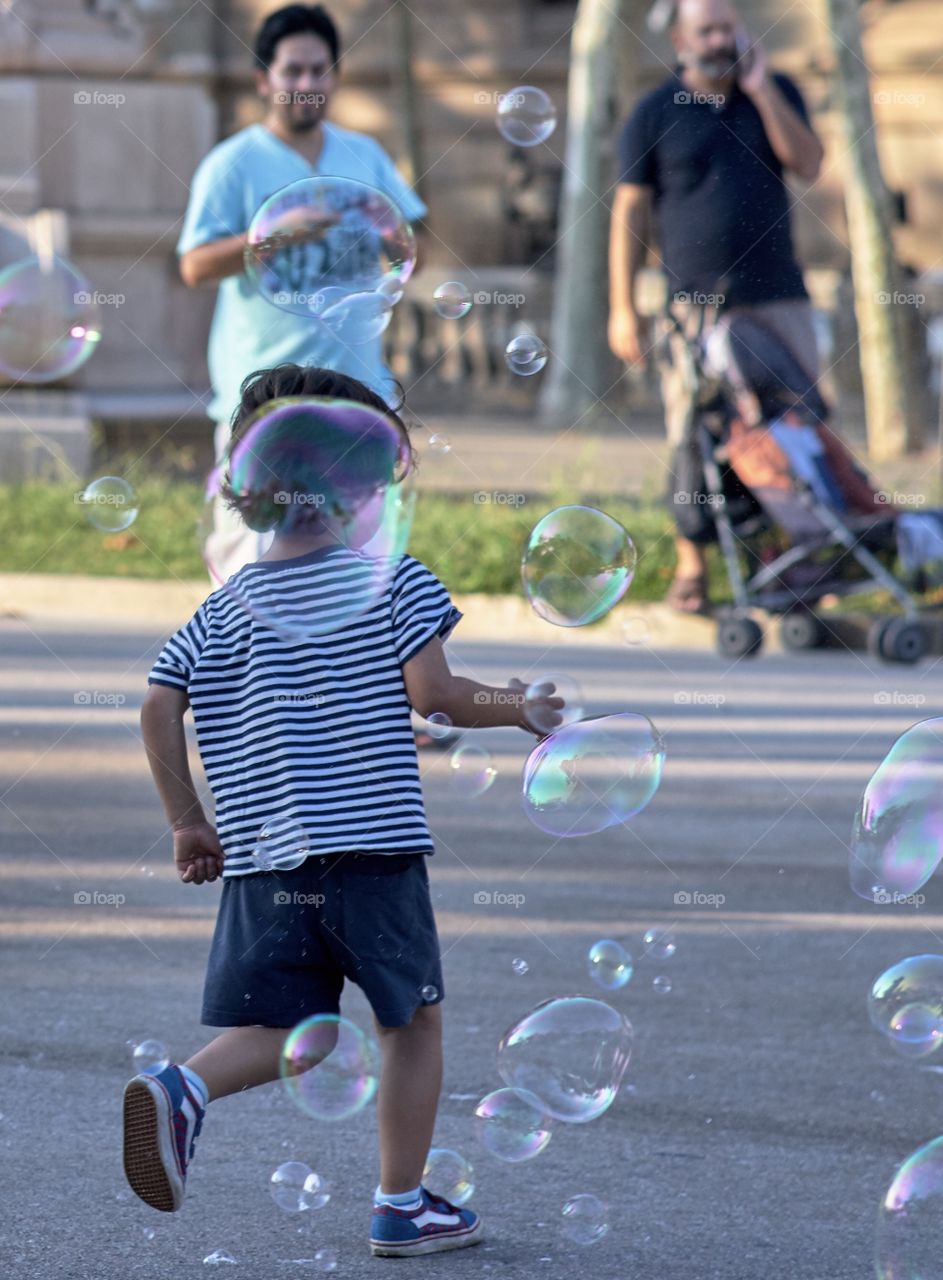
[[239, 1058], [408, 1098]]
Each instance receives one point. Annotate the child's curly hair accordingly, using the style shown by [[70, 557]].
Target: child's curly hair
[[299, 457]]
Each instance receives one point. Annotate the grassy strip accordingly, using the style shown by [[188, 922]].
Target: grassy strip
[[471, 547]]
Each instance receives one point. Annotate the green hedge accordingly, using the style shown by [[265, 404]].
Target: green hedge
[[470, 546]]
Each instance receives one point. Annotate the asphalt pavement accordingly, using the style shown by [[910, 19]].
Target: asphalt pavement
[[761, 1118]]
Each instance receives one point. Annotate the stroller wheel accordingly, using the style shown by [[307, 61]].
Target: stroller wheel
[[898, 640], [739, 638], [801, 630]]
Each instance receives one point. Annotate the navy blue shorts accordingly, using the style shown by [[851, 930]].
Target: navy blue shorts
[[285, 941]]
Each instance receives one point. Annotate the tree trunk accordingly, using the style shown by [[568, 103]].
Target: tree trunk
[[893, 421], [411, 162], [582, 369]]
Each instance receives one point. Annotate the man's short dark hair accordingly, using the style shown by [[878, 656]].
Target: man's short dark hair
[[295, 20]]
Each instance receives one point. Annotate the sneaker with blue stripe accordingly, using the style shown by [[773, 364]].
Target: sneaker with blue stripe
[[433, 1227], [162, 1121]]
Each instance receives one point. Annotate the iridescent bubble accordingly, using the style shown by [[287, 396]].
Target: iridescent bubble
[[578, 563], [438, 725], [49, 323], [546, 719], [109, 503], [472, 771], [659, 942], [287, 1185], [334, 479], [217, 1258], [897, 838], [520, 966], [905, 1003], [452, 300], [610, 965], [571, 1053], [593, 775], [910, 1219], [150, 1056], [512, 1125], [526, 354], [449, 1174], [282, 845], [584, 1220], [326, 232], [526, 116], [358, 318], [661, 985], [346, 1062], [326, 1259]]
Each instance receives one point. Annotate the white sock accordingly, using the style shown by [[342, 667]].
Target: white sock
[[402, 1199], [197, 1085]]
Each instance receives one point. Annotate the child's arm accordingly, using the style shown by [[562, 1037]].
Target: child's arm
[[431, 687], [197, 852]]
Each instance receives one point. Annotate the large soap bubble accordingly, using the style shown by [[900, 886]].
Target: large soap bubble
[[330, 1067], [897, 839], [319, 239], [571, 1053], [906, 1004], [49, 321], [448, 1174], [592, 775], [910, 1220], [310, 467], [578, 563]]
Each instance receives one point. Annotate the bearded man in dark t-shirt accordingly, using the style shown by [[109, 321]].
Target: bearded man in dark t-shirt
[[706, 153]]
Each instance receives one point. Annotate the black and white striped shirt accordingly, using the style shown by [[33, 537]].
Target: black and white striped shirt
[[315, 731]]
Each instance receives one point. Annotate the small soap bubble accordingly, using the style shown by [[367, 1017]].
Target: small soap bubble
[[448, 1174], [906, 1004], [610, 965], [578, 563], [526, 116], [636, 631], [472, 772], [287, 1185], [661, 984], [429, 994], [584, 1220], [526, 354], [150, 1056], [109, 504], [317, 1191], [326, 1259], [148, 1233], [520, 966], [452, 300], [659, 943], [282, 845], [438, 725], [218, 1258], [512, 1124]]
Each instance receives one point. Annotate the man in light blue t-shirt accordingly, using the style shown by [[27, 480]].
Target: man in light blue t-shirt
[[296, 52]]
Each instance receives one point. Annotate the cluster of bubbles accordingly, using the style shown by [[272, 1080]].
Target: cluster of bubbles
[[347, 1062], [295, 1188]]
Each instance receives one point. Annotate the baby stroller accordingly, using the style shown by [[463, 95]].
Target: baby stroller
[[757, 458]]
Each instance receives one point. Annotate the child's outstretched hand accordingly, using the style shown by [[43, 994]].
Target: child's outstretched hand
[[198, 855], [542, 712]]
